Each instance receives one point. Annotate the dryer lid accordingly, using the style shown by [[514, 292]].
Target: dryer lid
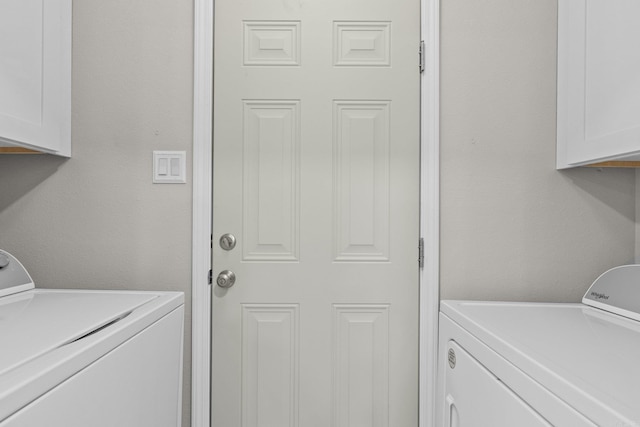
[[617, 291]]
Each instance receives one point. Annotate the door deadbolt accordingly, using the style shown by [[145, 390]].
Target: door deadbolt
[[227, 241], [226, 279]]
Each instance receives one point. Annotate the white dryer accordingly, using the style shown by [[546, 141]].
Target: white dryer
[[87, 358], [507, 364]]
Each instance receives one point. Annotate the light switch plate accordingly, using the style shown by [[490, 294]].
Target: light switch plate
[[169, 167]]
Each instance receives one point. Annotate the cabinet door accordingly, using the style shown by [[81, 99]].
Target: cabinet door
[[35, 74], [598, 81]]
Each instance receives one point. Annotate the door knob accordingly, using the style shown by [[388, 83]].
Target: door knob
[[227, 241], [226, 279]]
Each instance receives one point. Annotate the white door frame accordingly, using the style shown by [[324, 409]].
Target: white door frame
[[202, 210]]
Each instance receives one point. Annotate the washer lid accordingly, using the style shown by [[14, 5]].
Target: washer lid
[[36, 322], [585, 356]]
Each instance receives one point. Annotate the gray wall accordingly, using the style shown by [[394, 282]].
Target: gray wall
[[514, 228], [96, 220]]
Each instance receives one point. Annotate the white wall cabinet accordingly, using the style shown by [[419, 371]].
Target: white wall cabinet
[[598, 82], [35, 75]]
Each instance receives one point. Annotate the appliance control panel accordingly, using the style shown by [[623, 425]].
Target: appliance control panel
[[617, 290], [13, 276]]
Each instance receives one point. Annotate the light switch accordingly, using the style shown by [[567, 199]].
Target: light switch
[[169, 167], [175, 166], [162, 166]]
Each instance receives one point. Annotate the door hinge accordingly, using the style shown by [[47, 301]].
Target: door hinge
[[421, 252], [210, 277], [422, 56]]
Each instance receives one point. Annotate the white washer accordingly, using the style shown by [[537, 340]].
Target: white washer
[[536, 364], [87, 358]]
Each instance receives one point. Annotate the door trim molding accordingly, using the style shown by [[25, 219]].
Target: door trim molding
[[429, 209], [202, 208], [202, 211]]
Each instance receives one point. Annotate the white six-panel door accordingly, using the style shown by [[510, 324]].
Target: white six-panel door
[[316, 174]]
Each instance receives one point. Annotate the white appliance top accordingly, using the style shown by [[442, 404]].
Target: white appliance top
[[587, 357], [48, 335], [35, 322]]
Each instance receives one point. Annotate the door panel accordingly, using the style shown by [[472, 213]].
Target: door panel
[[316, 173], [270, 191], [361, 365]]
